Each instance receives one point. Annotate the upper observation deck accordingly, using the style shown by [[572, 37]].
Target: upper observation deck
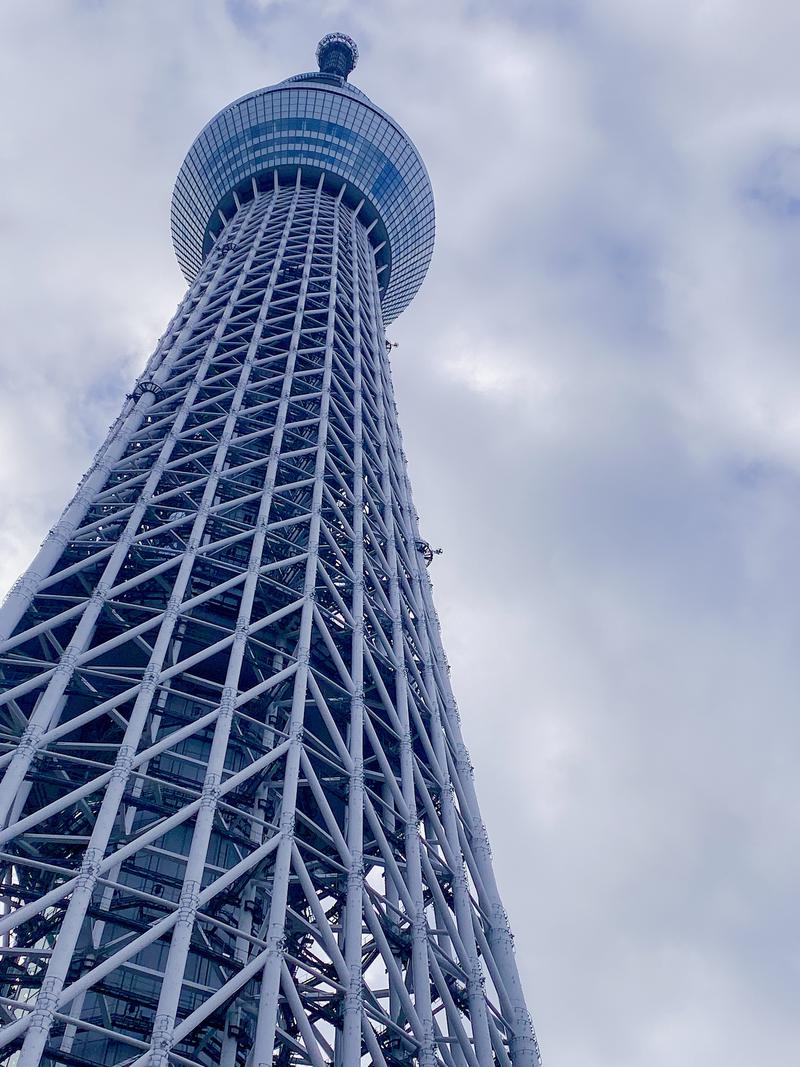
[[321, 124]]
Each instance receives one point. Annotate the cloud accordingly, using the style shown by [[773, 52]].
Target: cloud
[[597, 389]]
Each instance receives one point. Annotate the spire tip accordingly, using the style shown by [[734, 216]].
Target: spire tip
[[337, 54]]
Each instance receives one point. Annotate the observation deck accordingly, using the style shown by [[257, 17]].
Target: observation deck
[[322, 124]]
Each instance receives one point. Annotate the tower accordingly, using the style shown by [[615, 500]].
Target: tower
[[238, 818]]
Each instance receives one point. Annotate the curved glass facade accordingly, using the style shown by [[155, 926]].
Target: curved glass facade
[[319, 122]]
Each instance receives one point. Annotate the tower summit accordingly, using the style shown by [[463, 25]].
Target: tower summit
[[337, 54], [238, 825]]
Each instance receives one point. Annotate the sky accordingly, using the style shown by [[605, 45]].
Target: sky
[[599, 389]]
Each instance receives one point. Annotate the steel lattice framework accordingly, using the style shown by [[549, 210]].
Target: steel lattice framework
[[239, 822]]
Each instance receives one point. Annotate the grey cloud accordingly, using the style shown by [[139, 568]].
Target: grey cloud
[[598, 389]]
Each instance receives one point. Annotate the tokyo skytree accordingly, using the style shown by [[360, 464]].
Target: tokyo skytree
[[238, 819]]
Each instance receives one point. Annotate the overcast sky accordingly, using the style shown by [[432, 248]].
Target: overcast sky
[[599, 387]]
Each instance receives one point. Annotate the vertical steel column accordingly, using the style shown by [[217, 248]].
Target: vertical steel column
[[268, 1007], [353, 922], [419, 934]]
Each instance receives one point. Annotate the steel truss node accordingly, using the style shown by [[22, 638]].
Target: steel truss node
[[239, 821]]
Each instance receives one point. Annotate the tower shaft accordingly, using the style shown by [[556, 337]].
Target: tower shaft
[[238, 818]]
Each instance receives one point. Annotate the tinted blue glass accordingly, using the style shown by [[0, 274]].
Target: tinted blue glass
[[321, 123]]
